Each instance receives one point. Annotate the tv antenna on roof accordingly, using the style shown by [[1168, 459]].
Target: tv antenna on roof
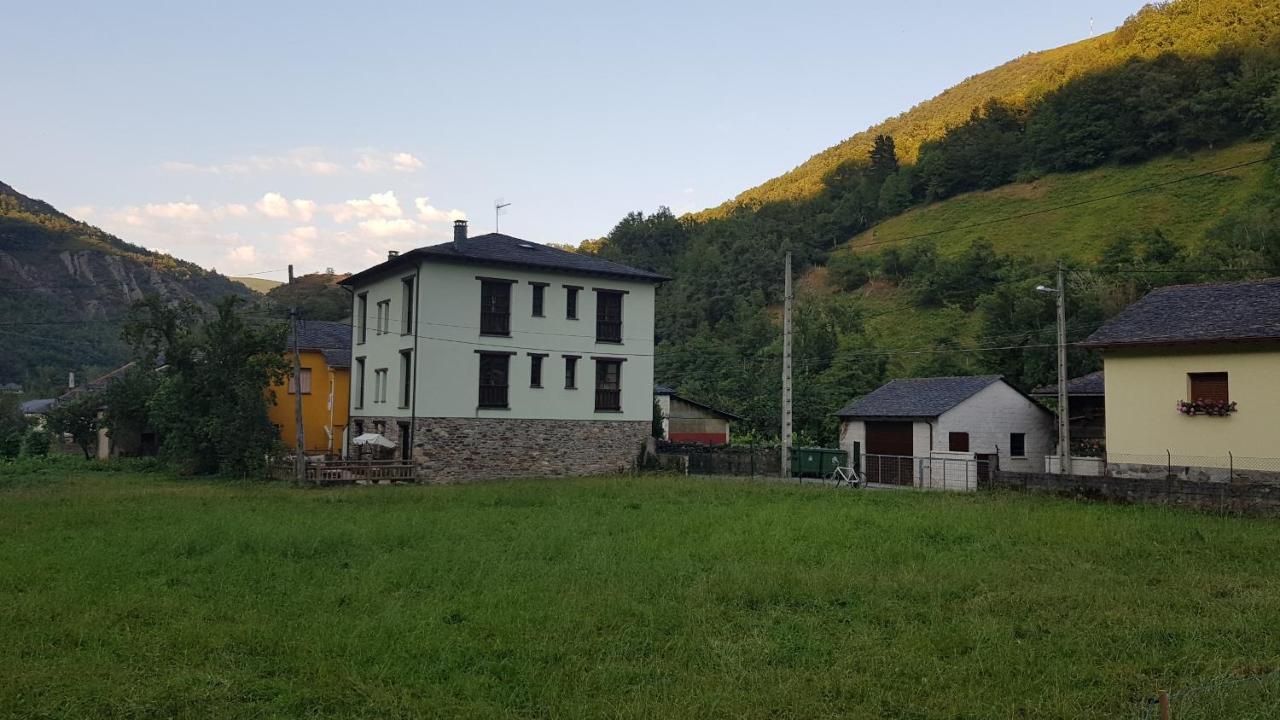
[[498, 206]]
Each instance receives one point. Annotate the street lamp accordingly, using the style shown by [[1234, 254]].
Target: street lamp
[[1064, 414]]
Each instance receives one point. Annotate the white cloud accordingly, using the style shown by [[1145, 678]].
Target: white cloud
[[297, 243], [382, 227], [174, 211], [244, 254], [373, 161], [306, 160], [379, 205], [276, 206], [235, 210], [429, 213], [80, 212]]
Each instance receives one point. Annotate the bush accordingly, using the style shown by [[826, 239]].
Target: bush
[[36, 442]]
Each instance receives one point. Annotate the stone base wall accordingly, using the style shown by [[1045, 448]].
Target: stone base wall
[[467, 449], [1236, 497]]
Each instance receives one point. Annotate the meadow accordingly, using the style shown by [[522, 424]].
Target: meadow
[[131, 595]]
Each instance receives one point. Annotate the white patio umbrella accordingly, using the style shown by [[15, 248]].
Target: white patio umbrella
[[373, 439]]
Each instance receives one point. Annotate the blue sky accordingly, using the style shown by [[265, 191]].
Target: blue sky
[[245, 136]]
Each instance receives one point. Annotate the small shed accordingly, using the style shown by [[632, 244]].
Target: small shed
[[971, 418], [685, 420], [1086, 399]]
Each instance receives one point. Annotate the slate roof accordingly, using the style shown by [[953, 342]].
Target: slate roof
[[659, 389], [507, 251], [1090, 385], [38, 407], [917, 397], [1184, 314], [323, 335], [336, 358]]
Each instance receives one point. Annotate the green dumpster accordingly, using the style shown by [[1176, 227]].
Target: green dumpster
[[832, 459], [816, 462], [806, 462]]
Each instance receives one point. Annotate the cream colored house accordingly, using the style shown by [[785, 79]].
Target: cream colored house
[[494, 356], [1193, 380]]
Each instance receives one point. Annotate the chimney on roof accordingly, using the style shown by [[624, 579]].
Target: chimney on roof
[[393, 254], [459, 232]]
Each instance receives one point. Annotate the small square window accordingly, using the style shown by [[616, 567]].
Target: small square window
[[1209, 387], [958, 442], [1017, 444], [306, 382]]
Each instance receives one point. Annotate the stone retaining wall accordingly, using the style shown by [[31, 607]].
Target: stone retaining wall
[[1238, 497], [466, 449]]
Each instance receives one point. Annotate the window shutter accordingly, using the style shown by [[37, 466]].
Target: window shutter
[[1211, 387]]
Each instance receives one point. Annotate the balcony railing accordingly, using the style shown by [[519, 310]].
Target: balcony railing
[[608, 399], [495, 323], [493, 396], [609, 331]]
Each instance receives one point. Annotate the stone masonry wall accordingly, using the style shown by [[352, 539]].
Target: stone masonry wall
[[1237, 497], [466, 449]]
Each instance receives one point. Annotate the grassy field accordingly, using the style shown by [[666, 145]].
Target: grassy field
[[1182, 211], [126, 595]]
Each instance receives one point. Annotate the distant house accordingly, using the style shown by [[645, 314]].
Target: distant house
[[1087, 402], [113, 444], [978, 417], [11, 388], [325, 350], [685, 420], [1193, 377]]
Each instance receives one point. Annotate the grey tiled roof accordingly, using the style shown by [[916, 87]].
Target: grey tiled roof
[[663, 390], [323, 335], [336, 358], [505, 250], [38, 407], [1085, 385], [1196, 313], [917, 397]]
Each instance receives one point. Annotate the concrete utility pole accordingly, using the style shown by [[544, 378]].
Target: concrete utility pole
[[1064, 410], [299, 456], [786, 370]]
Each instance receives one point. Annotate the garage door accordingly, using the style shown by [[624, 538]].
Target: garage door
[[889, 451]]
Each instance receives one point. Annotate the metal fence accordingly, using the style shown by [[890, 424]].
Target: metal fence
[[1171, 465], [934, 472], [744, 461]]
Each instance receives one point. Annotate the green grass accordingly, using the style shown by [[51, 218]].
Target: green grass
[[127, 595], [1183, 211]]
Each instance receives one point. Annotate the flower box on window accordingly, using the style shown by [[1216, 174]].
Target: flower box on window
[[1213, 408]]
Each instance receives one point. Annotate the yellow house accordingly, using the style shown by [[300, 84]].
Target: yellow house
[[1193, 378], [325, 350]]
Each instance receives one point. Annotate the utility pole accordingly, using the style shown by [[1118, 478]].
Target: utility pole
[[299, 455], [786, 370], [1064, 412], [1064, 409]]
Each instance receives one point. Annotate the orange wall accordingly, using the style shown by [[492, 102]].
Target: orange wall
[[325, 406]]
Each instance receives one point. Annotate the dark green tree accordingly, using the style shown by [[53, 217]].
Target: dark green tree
[[77, 416]]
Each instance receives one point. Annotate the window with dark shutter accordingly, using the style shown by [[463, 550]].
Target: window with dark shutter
[[495, 307], [406, 378], [493, 379], [608, 384], [608, 316], [570, 372], [362, 317], [539, 291], [1017, 444], [535, 370], [958, 442], [1209, 387], [406, 315], [359, 382], [571, 302]]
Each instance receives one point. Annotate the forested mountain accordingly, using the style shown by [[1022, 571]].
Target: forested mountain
[[64, 286], [1141, 157], [317, 296]]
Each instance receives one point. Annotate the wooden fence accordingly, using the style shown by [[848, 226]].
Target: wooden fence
[[349, 472]]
